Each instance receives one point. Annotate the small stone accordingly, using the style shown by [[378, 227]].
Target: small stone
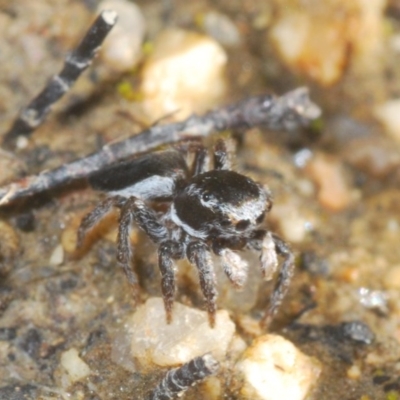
[[272, 368], [293, 225], [313, 38], [391, 280], [221, 28], [184, 75], [354, 372], [74, 366], [57, 256], [333, 191], [122, 49], [189, 335], [389, 115]]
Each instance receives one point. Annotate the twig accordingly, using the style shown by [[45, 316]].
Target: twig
[[287, 112], [180, 379], [33, 115]]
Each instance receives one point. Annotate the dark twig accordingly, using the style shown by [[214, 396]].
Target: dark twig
[[33, 115], [289, 111], [180, 379]]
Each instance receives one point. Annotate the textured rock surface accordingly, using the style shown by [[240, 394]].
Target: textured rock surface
[[274, 369], [184, 74], [188, 336]]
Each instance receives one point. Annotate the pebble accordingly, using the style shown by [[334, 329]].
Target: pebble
[[185, 74], [391, 279], [221, 28], [122, 49], [272, 368], [389, 115], [75, 368], [333, 191], [189, 335], [314, 39], [57, 256], [293, 224]]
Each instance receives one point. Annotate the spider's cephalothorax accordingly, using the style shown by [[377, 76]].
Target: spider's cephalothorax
[[218, 210]]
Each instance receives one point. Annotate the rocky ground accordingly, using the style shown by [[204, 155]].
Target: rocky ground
[[68, 326]]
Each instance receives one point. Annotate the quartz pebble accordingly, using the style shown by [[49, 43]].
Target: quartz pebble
[[221, 28], [272, 368], [333, 191], [74, 367], [122, 48], [389, 115], [313, 37], [184, 74], [188, 336]]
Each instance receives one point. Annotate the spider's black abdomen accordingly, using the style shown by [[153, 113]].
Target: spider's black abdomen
[[151, 176]]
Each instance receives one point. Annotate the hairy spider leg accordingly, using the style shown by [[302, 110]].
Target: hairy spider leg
[[221, 156], [199, 255], [180, 379], [97, 214], [283, 280], [167, 252], [136, 210], [200, 161]]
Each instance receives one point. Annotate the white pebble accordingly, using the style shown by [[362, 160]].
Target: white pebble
[[221, 28], [122, 49], [153, 341], [185, 74], [389, 115], [272, 368], [74, 366], [57, 256]]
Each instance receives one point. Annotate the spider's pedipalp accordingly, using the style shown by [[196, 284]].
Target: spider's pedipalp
[[235, 267], [268, 257], [199, 255]]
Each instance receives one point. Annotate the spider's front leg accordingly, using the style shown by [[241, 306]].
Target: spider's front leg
[[136, 210], [167, 252], [271, 245], [199, 255]]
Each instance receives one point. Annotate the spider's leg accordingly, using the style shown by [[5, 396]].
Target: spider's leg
[[199, 255], [33, 115], [136, 210], [98, 213], [221, 156], [284, 278], [200, 161], [168, 251]]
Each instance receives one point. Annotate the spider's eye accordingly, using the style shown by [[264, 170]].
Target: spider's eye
[[260, 218], [242, 225], [225, 223], [206, 196]]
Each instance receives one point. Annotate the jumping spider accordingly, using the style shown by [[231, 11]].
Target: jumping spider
[[218, 210]]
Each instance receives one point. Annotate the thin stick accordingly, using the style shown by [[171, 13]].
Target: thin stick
[[33, 115], [289, 111]]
